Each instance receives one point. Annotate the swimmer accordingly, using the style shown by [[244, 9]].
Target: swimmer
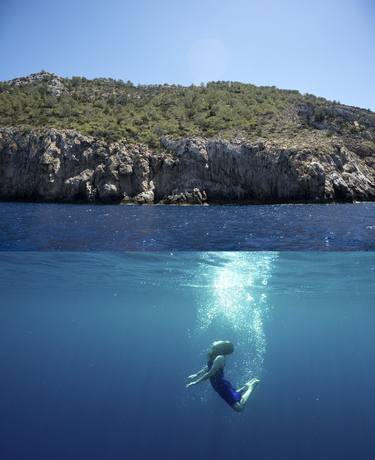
[[214, 371]]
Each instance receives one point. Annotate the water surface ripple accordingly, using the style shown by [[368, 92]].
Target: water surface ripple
[[64, 227]]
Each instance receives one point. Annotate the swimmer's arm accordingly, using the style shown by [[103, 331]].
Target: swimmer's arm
[[198, 374], [216, 365]]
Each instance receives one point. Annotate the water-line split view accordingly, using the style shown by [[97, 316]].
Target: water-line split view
[[105, 343]]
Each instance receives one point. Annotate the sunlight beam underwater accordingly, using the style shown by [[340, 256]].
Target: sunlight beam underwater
[[236, 305]]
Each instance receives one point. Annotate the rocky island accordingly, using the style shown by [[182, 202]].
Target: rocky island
[[102, 140]]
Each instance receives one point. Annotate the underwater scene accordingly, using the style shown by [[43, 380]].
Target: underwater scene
[[96, 350]]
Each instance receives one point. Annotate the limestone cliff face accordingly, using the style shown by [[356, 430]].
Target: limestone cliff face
[[63, 165]]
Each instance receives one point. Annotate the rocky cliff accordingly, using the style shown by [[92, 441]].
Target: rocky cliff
[[65, 165], [105, 140]]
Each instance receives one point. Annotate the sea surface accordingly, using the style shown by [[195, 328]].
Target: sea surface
[[62, 227], [95, 349]]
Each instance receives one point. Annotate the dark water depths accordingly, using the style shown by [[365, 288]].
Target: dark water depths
[[95, 348], [27, 226]]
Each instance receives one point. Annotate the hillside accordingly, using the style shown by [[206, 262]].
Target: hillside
[[113, 110], [105, 140]]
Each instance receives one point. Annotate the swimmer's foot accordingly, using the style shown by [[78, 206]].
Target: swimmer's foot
[[250, 384], [253, 383]]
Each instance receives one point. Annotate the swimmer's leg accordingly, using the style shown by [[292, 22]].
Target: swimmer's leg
[[242, 389], [246, 391], [246, 386]]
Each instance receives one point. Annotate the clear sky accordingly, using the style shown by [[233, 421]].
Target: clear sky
[[323, 47]]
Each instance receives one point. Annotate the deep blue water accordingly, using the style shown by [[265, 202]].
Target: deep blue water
[[30, 226], [95, 348]]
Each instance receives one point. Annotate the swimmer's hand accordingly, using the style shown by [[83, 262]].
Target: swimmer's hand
[[203, 374], [190, 384]]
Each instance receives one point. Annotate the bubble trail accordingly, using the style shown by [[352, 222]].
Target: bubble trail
[[235, 304]]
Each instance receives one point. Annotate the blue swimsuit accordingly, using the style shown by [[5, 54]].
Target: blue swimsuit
[[223, 387]]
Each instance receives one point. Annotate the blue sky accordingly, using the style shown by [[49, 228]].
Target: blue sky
[[322, 47]]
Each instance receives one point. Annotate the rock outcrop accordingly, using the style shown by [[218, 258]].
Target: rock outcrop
[[55, 84], [66, 166]]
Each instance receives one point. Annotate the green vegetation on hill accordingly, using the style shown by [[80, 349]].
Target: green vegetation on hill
[[113, 109]]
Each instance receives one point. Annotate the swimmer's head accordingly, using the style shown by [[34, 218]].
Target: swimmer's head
[[220, 347]]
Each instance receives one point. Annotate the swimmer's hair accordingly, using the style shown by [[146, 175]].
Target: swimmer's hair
[[221, 347]]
